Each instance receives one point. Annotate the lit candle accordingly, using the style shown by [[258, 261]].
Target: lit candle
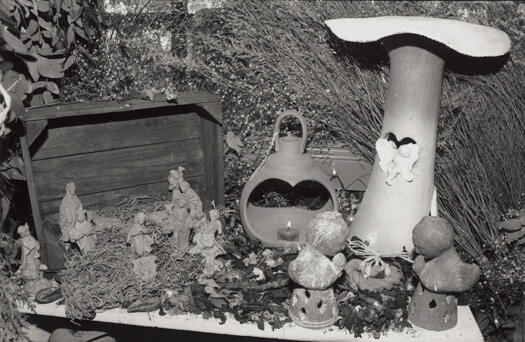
[[288, 233]]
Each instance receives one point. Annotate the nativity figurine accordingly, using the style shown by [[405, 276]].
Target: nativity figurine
[[30, 268], [174, 179], [193, 199], [83, 233], [441, 273], [69, 207], [180, 223], [206, 244], [30, 253], [138, 237]]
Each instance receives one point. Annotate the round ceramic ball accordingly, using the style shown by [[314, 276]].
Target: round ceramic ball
[[328, 232], [432, 235]]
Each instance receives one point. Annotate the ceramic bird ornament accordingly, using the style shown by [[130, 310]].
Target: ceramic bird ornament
[[313, 270]]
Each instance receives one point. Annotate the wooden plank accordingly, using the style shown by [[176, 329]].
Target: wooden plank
[[213, 147], [34, 129], [115, 169], [83, 135], [109, 199], [104, 107], [30, 178]]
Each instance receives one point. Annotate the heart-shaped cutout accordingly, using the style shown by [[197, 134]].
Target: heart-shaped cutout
[[278, 193]]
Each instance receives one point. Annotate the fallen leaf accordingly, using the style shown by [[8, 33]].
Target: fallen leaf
[[233, 141]]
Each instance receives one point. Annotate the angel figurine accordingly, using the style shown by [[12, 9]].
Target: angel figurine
[[394, 160], [69, 207], [206, 243], [83, 234], [138, 237]]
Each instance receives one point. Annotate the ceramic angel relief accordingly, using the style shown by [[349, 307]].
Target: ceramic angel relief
[[401, 185]]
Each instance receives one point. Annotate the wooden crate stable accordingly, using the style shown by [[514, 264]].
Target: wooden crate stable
[[113, 150]]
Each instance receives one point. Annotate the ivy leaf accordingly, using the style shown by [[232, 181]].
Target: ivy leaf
[[75, 15], [48, 97], [43, 6], [31, 28], [69, 62], [14, 43], [52, 87], [39, 85], [70, 35], [81, 33], [51, 68], [44, 24], [32, 67], [233, 141]]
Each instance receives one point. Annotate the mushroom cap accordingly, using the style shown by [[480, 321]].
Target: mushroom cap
[[469, 39]]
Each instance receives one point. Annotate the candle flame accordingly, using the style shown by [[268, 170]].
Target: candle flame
[[289, 224]]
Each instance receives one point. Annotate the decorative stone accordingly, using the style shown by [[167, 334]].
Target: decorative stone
[[313, 309], [328, 232], [433, 306], [313, 270], [376, 283], [145, 268]]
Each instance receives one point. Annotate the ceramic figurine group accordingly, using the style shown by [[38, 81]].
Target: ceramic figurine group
[[438, 267]]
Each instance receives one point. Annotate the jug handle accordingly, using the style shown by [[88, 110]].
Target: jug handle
[[304, 127]]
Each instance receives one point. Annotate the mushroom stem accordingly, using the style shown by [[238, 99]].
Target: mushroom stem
[[388, 213]]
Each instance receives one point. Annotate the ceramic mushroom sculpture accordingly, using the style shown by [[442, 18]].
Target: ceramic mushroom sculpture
[[441, 273], [401, 185]]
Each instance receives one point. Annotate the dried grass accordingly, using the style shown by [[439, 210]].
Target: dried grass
[[104, 278]]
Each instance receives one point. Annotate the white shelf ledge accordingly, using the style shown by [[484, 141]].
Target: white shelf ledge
[[465, 331]]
